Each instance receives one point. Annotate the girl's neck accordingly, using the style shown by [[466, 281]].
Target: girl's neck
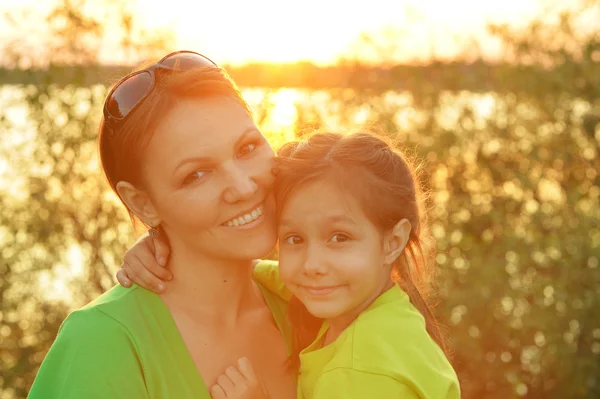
[[220, 290], [338, 324]]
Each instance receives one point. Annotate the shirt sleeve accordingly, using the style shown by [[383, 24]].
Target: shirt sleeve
[[266, 272], [354, 384], [93, 356]]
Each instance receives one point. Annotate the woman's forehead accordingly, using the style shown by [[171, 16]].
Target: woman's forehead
[[208, 125]]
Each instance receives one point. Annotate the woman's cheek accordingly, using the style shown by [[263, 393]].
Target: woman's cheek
[[263, 166]]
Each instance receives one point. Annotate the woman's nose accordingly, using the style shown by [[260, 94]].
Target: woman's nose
[[240, 185]]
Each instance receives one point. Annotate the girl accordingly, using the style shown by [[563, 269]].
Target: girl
[[349, 249]]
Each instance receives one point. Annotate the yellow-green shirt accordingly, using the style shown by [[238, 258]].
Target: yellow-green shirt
[[385, 353], [125, 345]]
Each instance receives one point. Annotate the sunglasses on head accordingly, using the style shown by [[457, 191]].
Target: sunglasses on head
[[130, 91]]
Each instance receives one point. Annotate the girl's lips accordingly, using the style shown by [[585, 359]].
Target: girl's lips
[[319, 291]]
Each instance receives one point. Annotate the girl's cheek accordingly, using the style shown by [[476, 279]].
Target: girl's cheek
[[287, 266]]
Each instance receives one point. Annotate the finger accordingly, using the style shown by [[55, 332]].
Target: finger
[[161, 250], [138, 273], [225, 383], [235, 376], [246, 369], [149, 261], [216, 392], [122, 278]]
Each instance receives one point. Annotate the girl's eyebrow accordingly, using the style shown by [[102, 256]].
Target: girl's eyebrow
[[285, 223], [342, 218], [334, 219]]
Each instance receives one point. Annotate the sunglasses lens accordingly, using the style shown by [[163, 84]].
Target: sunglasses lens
[[187, 60], [129, 93]]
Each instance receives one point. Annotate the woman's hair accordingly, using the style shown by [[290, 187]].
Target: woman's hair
[[385, 185], [121, 148]]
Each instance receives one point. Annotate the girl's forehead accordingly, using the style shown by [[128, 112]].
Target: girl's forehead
[[324, 197]]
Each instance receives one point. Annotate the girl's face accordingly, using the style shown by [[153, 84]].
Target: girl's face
[[331, 255], [208, 173]]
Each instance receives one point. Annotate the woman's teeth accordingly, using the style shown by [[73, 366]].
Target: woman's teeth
[[246, 218]]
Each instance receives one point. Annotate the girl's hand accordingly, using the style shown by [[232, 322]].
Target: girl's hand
[[239, 382], [144, 264]]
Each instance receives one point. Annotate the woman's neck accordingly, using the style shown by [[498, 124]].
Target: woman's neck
[[215, 289]]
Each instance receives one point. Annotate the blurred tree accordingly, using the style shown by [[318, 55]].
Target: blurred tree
[[60, 227], [514, 176], [515, 193]]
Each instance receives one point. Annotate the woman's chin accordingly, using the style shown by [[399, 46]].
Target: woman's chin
[[255, 245]]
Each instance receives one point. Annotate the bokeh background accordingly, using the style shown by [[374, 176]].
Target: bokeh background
[[499, 100]]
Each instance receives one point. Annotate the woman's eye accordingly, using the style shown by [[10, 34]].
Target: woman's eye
[[195, 176], [293, 240], [248, 148], [339, 237]]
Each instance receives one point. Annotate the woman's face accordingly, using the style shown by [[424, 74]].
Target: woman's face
[[208, 172]]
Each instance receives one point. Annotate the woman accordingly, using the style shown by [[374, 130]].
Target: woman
[[179, 147]]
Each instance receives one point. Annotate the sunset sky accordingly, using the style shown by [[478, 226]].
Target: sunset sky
[[321, 30]]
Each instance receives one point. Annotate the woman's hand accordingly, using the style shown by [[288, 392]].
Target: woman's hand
[[144, 264], [239, 382]]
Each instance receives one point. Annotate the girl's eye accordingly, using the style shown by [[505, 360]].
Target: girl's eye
[[247, 149], [339, 237], [197, 175], [293, 240]]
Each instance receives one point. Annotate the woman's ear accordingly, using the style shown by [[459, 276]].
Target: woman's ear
[[138, 202], [395, 241]]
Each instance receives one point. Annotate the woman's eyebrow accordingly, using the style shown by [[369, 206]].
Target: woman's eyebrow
[[249, 131], [195, 160], [208, 160]]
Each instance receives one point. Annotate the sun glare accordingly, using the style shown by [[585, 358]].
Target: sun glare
[[320, 31], [323, 30]]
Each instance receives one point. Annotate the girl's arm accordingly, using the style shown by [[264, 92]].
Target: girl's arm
[[144, 264], [266, 272]]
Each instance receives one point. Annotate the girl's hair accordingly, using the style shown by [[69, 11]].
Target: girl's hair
[[386, 187], [121, 148]]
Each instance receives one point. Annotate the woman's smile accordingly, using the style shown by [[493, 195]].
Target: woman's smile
[[247, 219]]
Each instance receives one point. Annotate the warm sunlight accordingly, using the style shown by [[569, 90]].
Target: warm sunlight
[[485, 122], [322, 31]]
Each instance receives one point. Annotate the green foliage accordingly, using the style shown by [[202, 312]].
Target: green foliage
[[62, 233], [515, 199]]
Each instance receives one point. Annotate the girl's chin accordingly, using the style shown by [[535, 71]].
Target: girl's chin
[[324, 312]]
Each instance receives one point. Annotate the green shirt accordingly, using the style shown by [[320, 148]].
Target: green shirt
[[125, 344], [385, 353]]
